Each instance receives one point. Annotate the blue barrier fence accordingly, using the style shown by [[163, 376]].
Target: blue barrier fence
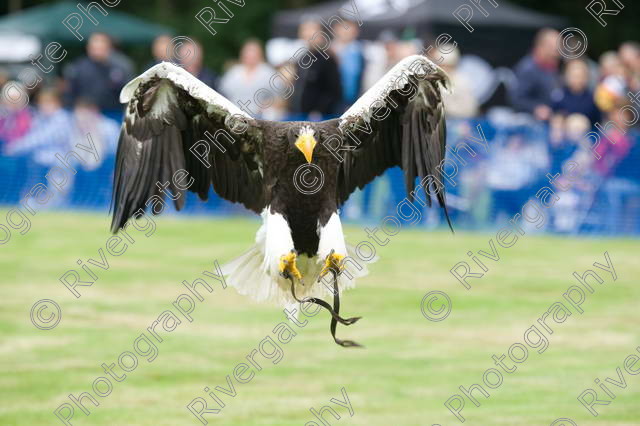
[[493, 173]]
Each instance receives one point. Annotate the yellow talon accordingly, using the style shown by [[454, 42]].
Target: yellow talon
[[333, 261], [288, 265]]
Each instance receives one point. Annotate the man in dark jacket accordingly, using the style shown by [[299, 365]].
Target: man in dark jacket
[[317, 91], [537, 76], [99, 76]]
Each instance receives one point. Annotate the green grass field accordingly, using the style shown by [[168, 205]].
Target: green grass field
[[409, 368]]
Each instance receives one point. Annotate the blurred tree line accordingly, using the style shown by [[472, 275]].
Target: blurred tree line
[[254, 20], [619, 29]]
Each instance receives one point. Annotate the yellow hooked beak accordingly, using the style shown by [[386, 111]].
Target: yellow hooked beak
[[306, 144]]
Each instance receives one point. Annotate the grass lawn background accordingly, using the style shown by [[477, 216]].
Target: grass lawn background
[[409, 368]]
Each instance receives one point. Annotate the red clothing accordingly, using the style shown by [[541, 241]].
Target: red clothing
[[612, 149], [14, 126]]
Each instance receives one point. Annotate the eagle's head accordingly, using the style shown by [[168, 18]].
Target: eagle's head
[[306, 142]]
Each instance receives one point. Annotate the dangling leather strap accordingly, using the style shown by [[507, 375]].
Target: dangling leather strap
[[335, 317], [336, 308]]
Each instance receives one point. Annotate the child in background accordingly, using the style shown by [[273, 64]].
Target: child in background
[[15, 119], [49, 131], [57, 131], [575, 97], [616, 143]]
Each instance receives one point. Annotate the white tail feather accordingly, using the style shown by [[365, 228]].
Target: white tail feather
[[251, 273]]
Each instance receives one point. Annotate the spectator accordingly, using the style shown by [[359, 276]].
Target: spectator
[[610, 64], [514, 167], [575, 97], [616, 144], [15, 119], [622, 192], [386, 55], [57, 131], [565, 134], [317, 91], [279, 111], [242, 81], [619, 167], [161, 50], [351, 62], [630, 56], [537, 76], [392, 46], [122, 61], [46, 138], [103, 131], [99, 76], [192, 60], [612, 89], [50, 130], [461, 102]]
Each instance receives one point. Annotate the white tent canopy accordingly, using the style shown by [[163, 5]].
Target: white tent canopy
[[16, 47]]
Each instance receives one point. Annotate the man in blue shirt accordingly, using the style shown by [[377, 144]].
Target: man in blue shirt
[[351, 60]]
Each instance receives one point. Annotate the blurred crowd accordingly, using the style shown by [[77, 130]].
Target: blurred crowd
[[551, 103]]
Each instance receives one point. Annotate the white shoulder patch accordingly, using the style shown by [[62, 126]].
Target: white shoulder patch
[[184, 80], [395, 79]]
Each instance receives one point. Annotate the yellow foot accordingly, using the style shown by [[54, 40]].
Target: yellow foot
[[288, 265], [333, 262]]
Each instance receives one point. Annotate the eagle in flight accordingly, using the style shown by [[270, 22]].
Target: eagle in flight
[[174, 122]]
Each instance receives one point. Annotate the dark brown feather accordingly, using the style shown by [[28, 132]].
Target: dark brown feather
[[413, 137], [155, 143]]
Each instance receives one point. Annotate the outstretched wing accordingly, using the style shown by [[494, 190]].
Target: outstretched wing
[[175, 122], [398, 122]]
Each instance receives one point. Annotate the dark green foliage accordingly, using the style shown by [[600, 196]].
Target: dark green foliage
[[254, 20]]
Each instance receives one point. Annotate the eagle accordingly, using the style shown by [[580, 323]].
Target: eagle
[[175, 123]]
